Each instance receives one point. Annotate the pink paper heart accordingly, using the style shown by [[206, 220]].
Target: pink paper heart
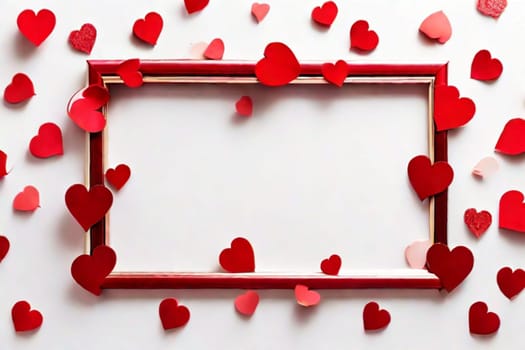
[[416, 254], [486, 166], [259, 11], [306, 297], [437, 26]]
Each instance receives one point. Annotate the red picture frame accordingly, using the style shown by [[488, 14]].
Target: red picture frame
[[103, 72]]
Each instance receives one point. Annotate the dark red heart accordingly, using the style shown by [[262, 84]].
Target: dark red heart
[[172, 315], [149, 28], [335, 73], [484, 67], [451, 111], [129, 72], [85, 111], [511, 283], [481, 321], [452, 267], [331, 265], [278, 67], [325, 15], [511, 140], [20, 89], [195, 5], [238, 258], [477, 223], [83, 40], [36, 27], [90, 271], [362, 38], [88, 207], [119, 176], [429, 179], [512, 211], [374, 318], [48, 142], [25, 319], [3, 164], [4, 247]]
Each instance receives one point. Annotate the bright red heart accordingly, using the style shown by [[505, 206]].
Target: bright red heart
[[172, 315], [83, 40], [4, 247], [129, 72], [492, 8], [20, 89], [48, 142], [215, 50], [119, 176], [88, 207], [246, 303], [36, 27], [477, 223], [238, 258], [374, 318], [451, 111], [512, 211], [325, 15], [511, 140], [195, 5], [85, 112], [362, 38], [25, 319], [3, 164], [27, 200], [335, 73], [484, 67], [244, 106], [90, 271], [279, 65], [452, 267], [481, 321], [149, 28], [259, 11], [331, 265], [306, 297], [429, 179], [511, 283]]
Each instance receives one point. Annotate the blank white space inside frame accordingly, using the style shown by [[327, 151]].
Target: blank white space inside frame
[[316, 171]]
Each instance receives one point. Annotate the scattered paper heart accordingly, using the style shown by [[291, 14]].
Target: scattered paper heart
[[484, 67], [481, 321], [149, 28], [48, 142], [119, 176], [246, 303], [331, 265], [27, 200], [84, 108], [362, 38], [512, 211], [492, 8], [451, 111], [36, 27], [429, 179], [25, 319], [375, 318], [259, 11], [88, 207], [485, 167], [197, 50], [195, 5], [325, 15], [335, 73], [129, 72], [452, 267], [511, 140], [306, 297], [83, 40], [511, 283], [4, 247], [244, 106], [278, 67], [239, 257], [19, 90], [3, 164], [437, 26], [416, 254], [90, 271], [215, 50], [172, 315], [477, 223]]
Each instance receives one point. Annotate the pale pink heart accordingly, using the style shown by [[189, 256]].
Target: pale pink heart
[[486, 166], [197, 50], [416, 254], [437, 26]]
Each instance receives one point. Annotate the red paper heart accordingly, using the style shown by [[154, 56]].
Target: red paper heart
[[129, 72], [4, 247], [429, 179], [452, 267], [90, 271], [88, 207], [511, 140], [27, 200], [195, 5], [306, 297], [149, 28], [331, 265], [374, 318], [335, 73], [84, 111], [25, 319], [512, 211], [48, 142], [244, 106], [83, 40], [511, 283], [451, 111], [492, 8], [325, 15], [119, 176], [259, 11], [3, 164], [20, 89], [36, 27], [172, 315], [278, 67], [238, 258], [481, 321], [484, 67], [361, 38], [246, 303], [477, 223], [215, 50]]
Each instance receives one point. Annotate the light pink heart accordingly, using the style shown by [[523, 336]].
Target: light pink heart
[[486, 166], [416, 254]]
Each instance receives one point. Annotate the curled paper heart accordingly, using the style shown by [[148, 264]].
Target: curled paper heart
[[24, 318], [129, 72], [172, 315], [48, 142], [27, 200], [215, 50], [416, 254], [36, 27], [19, 90], [485, 167], [437, 26], [511, 140], [306, 297], [259, 11], [84, 108], [512, 211]]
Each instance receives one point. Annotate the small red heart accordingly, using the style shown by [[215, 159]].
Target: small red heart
[[477, 223], [119, 176], [279, 65], [25, 319], [172, 315], [306, 297], [361, 38], [195, 5], [331, 265], [512, 211], [36, 27], [215, 50], [27, 200], [481, 321], [84, 111], [90, 271], [238, 258], [4, 247], [374, 318], [325, 15], [88, 207], [335, 73], [244, 106], [511, 140], [452, 267], [511, 283], [259, 11], [83, 40], [20, 89], [48, 142], [429, 179], [484, 67], [492, 8], [149, 28], [3, 164], [246, 303], [129, 72], [451, 111]]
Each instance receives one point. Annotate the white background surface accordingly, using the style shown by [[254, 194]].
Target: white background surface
[[44, 243]]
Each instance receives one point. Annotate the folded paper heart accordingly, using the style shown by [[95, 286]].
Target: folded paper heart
[[193, 6], [172, 315], [306, 297], [119, 176], [25, 319], [331, 265], [215, 50], [244, 106], [485, 167], [477, 223], [27, 200], [429, 179], [437, 26], [481, 321], [512, 211], [239, 257], [362, 38], [90, 271], [375, 318], [278, 67], [246, 303], [4, 247], [48, 142], [416, 254], [129, 72], [259, 11], [3, 164], [511, 140], [484, 67], [511, 283], [36, 27], [88, 207], [325, 15], [83, 40], [84, 108], [492, 8], [451, 111], [148, 29], [19, 90], [335, 73], [451, 266]]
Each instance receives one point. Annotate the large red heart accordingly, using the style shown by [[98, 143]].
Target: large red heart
[[481, 321], [331, 265], [25, 319], [246, 303], [172, 315], [3, 164], [477, 223], [452, 267], [511, 140], [215, 50], [279, 65], [374, 318], [84, 111], [195, 5], [149, 28], [27, 200], [512, 211], [88, 207], [84, 39], [90, 271], [4, 247], [511, 283], [325, 15], [36, 27], [306, 297], [238, 258], [484, 67], [20, 89], [119, 176], [335, 73], [361, 38], [130, 74], [48, 142], [451, 111], [429, 179]]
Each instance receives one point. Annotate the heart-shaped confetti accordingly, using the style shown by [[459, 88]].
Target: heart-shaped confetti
[[485, 167], [25, 319], [416, 254], [90, 271], [331, 265], [477, 223], [306, 297], [244, 106], [172, 315], [375, 318], [259, 11], [246, 303], [88, 207], [492, 8], [451, 111], [27, 200], [195, 5], [481, 321], [119, 176], [325, 15], [512, 211], [20, 89], [84, 111], [129, 72], [362, 38], [83, 40], [279, 65], [48, 142], [239, 257], [451, 266], [4, 247], [511, 140], [335, 73], [429, 179], [148, 29], [437, 26], [215, 50], [484, 67], [3, 164], [36, 27], [511, 283]]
